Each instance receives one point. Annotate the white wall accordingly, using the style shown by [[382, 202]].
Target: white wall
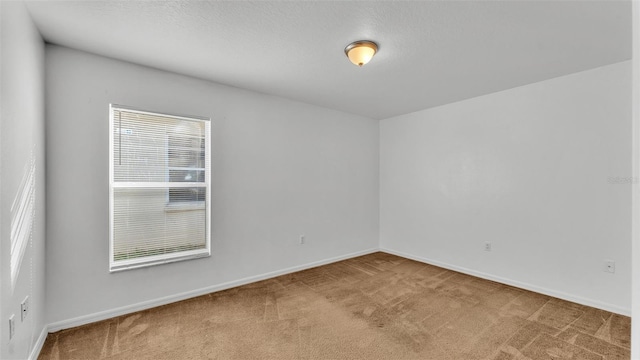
[[21, 142], [280, 168], [635, 257], [528, 169]]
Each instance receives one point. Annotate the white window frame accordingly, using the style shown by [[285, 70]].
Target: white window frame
[[119, 265]]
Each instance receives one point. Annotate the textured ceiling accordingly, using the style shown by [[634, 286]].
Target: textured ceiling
[[431, 52]]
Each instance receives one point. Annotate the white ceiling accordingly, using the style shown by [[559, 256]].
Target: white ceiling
[[431, 52]]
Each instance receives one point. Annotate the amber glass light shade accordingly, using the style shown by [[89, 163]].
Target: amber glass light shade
[[361, 52]]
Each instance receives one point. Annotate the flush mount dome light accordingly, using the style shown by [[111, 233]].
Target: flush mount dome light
[[361, 52]]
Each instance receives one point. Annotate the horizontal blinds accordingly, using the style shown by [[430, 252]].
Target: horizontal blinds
[[151, 148], [159, 185], [143, 226]]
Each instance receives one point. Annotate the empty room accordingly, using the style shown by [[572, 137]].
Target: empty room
[[319, 179]]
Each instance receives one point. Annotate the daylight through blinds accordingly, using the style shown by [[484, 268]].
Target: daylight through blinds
[[159, 188]]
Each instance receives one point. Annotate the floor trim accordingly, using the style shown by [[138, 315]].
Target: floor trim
[[107, 314], [541, 290], [103, 315], [37, 347]]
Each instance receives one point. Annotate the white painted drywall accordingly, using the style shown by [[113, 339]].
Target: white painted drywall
[[635, 256], [541, 171], [280, 169], [21, 142]]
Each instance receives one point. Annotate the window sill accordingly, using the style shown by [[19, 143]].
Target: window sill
[[184, 206], [130, 264]]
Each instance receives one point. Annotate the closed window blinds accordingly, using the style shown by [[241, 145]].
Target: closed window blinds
[[159, 188]]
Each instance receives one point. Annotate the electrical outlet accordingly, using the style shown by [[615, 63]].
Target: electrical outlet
[[24, 309], [609, 266], [301, 239], [12, 327], [487, 246]]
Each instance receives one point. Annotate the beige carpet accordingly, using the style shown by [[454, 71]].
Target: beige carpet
[[377, 306]]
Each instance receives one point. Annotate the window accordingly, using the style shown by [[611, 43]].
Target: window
[[186, 159], [159, 188]]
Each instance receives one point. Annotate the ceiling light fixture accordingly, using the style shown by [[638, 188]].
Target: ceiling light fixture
[[361, 52]]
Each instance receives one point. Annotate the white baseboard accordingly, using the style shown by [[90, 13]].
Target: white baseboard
[[557, 294], [37, 347], [107, 314]]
